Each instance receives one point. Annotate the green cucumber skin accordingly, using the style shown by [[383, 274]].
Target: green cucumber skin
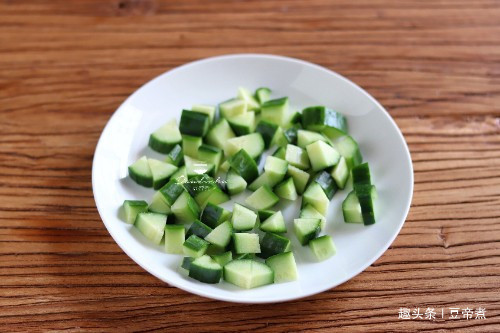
[[198, 184], [323, 247], [364, 194], [264, 214], [211, 215], [171, 191], [186, 262], [244, 165], [361, 175], [267, 130], [137, 176], [194, 123], [199, 229], [132, 208], [272, 244], [291, 135], [175, 156], [318, 117], [159, 146], [203, 274], [327, 183], [262, 95], [296, 118]]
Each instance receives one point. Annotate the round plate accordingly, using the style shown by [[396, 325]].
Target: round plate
[[212, 80]]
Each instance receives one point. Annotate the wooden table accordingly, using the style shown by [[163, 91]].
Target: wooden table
[[65, 66]]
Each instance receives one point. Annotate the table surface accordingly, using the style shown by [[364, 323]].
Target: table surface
[[65, 66]]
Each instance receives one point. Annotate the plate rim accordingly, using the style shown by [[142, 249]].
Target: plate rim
[[215, 296]]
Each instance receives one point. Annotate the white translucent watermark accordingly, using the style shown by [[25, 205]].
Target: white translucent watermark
[[442, 313]]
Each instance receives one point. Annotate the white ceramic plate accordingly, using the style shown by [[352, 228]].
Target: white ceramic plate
[[212, 80]]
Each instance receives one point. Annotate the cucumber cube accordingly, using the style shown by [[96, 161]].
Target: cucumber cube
[[306, 229], [205, 269], [165, 138], [246, 95], [340, 173], [159, 204], [317, 118], [286, 190], [253, 144], [174, 238], [131, 208], [185, 208], [244, 165], [243, 219], [315, 196], [171, 191], [275, 111], [276, 168], [175, 156], [199, 229], [233, 107], [190, 145], [267, 130], [194, 123], [223, 258], [348, 148], [322, 155], [151, 225], [323, 247], [248, 273], [305, 138], [308, 211], [235, 183], [272, 244], [283, 266], [161, 172], [300, 178], [246, 243], [194, 246], [327, 183], [214, 215], [219, 134], [275, 223], [221, 235], [263, 198], [208, 109], [297, 157], [140, 172], [263, 95]]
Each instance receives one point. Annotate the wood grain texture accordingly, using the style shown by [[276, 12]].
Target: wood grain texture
[[65, 66]]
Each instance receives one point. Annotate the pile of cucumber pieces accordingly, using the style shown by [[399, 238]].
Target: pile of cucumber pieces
[[212, 156]]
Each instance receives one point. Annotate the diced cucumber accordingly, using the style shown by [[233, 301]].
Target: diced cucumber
[[205, 269], [280, 153], [243, 219], [361, 175], [190, 145], [213, 194], [214, 215], [195, 246], [272, 244], [300, 178], [159, 204], [297, 157], [185, 208], [323, 247], [194, 123], [305, 138], [246, 243], [263, 198], [317, 118], [263, 179], [141, 173], [161, 172], [268, 131], [279, 138], [197, 167], [308, 211], [351, 209], [315, 196], [219, 134], [210, 154], [223, 258], [233, 107], [221, 235], [291, 135], [199, 229], [340, 173], [198, 184], [133, 207], [275, 111], [263, 94], [244, 256], [252, 143], [244, 165], [151, 225], [174, 238], [349, 148], [296, 118], [171, 191], [276, 168], [322, 155], [180, 175], [246, 95], [248, 273], [327, 183], [243, 124], [208, 109], [283, 266], [186, 263], [175, 156], [264, 214], [224, 167], [275, 223], [235, 183], [306, 229], [165, 138], [286, 190], [365, 198]]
